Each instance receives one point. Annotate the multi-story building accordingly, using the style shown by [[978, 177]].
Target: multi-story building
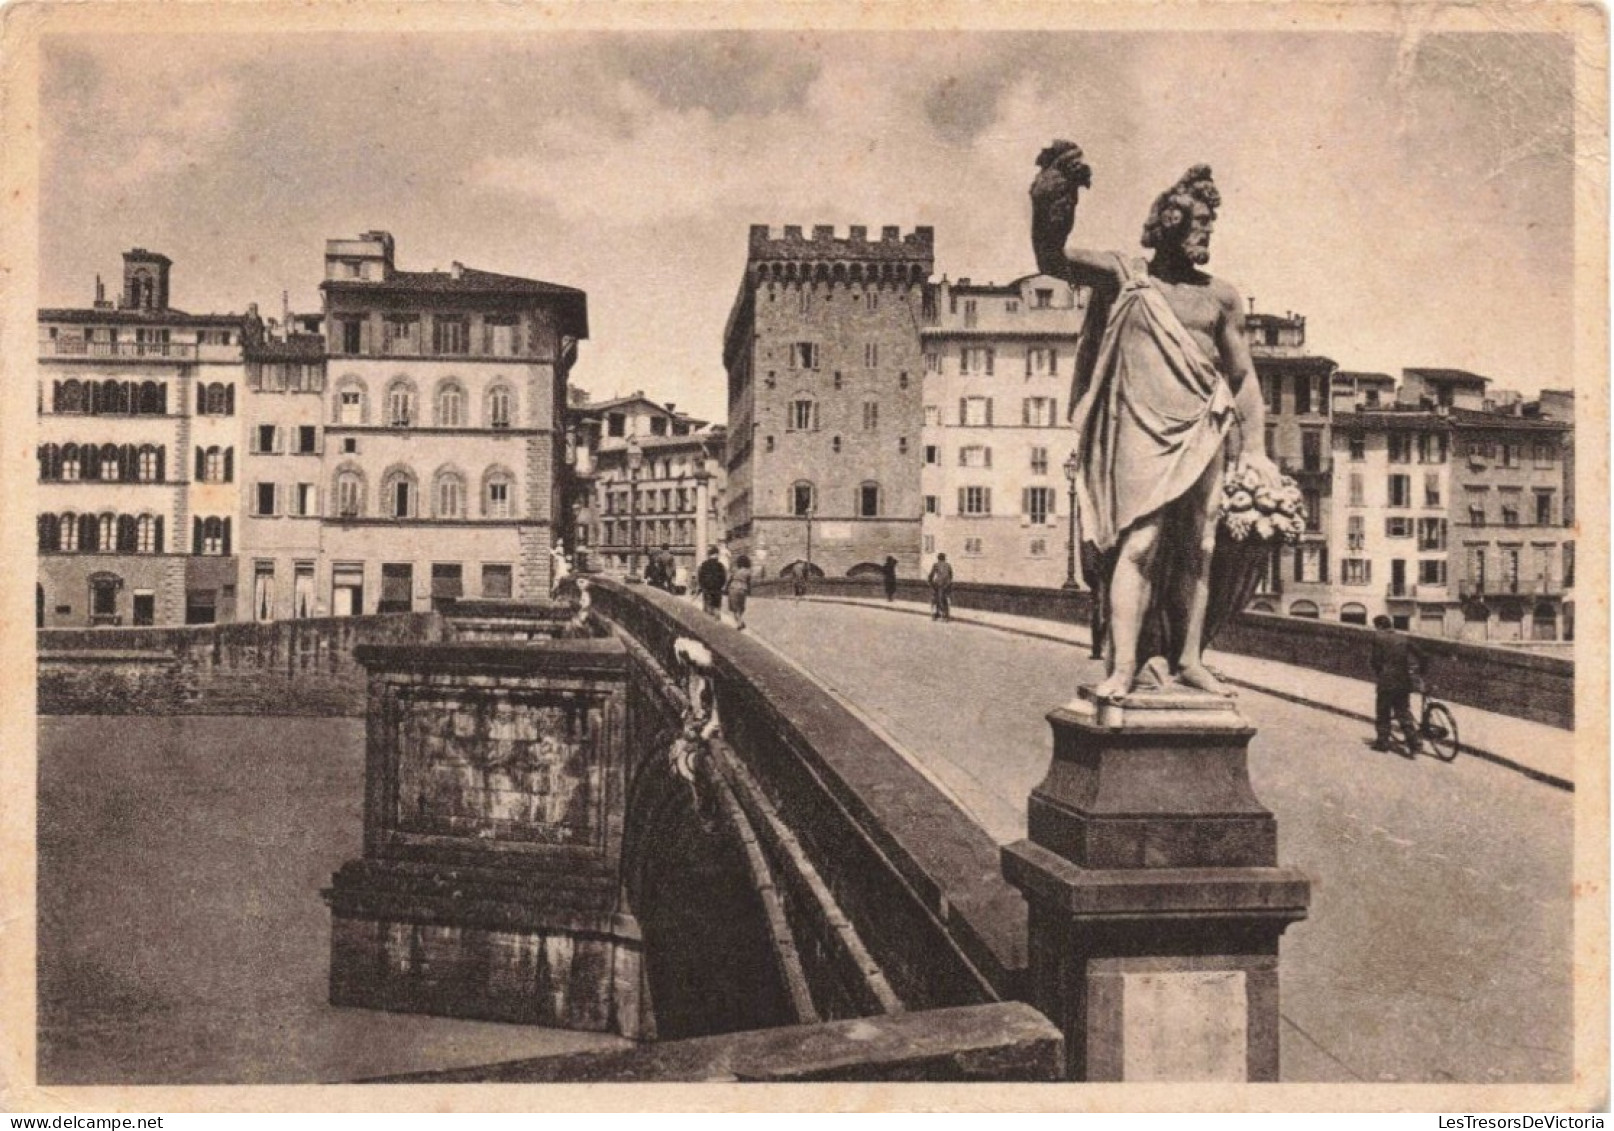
[[1370, 390], [1452, 521], [131, 530], [998, 362], [823, 360], [1512, 542], [1297, 388], [1445, 388], [282, 469], [442, 460], [1391, 518], [658, 481]]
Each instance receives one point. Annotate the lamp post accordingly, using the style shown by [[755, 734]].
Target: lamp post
[[1072, 468], [808, 515], [635, 462]]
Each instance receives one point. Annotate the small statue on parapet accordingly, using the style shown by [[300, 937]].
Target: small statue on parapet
[[1163, 378]]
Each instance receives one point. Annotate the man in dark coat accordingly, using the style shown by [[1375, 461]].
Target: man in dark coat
[[888, 574], [941, 589], [1397, 666], [712, 579]]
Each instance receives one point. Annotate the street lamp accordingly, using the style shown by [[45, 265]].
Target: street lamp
[[1072, 469], [635, 462]]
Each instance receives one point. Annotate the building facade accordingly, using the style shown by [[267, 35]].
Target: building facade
[[1393, 489], [1452, 522], [282, 470], [1512, 556], [998, 363], [442, 452], [129, 533], [657, 480], [1297, 391], [825, 395]]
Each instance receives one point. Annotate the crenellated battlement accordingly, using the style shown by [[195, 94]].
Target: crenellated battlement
[[825, 246]]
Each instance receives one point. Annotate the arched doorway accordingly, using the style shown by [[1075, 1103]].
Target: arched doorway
[[1353, 612], [1307, 609]]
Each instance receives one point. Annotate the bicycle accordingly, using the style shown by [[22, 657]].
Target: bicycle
[[1437, 727]]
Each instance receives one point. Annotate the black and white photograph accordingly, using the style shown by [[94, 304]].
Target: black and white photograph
[[991, 557]]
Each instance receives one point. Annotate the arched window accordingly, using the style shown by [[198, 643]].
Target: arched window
[[1263, 607], [108, 465], [348, 491], [501, 408], [128, 533], [450, 404], [213, 535], [71, 397], [213, 464], [803, 498], [448, 494], [68, 533], [106, 533], [350, 401], [216, 400], [153, 399], [72, 465], [1353, 612], [114, 398], [498, 493], [400, 495], [868, 500], [1307, 609], [401, 403], [149, 535], [149, 460]]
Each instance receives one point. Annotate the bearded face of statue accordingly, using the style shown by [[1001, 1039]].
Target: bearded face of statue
[[1196, 233]]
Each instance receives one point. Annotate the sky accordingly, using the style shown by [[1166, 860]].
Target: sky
[[1410, 194]]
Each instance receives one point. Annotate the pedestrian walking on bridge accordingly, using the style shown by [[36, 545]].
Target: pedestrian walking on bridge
[[739, 589], [712, 579], [888, 574], [941, 589]]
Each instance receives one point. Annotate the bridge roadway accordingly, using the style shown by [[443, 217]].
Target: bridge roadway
[[1438, 946]]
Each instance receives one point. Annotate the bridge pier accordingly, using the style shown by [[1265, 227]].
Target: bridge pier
[[488, 887], [1156, 903]]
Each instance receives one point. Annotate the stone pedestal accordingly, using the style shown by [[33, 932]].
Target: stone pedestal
[[488, 887], [1155, 898]]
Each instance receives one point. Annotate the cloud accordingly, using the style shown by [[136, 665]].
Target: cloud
[[124, 122]]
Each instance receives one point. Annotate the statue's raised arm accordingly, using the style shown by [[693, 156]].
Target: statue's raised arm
[[1063, 173]]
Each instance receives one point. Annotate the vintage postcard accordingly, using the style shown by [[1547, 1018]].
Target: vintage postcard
[[696, 555]]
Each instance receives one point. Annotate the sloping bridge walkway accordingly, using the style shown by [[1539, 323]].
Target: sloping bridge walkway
[[1439, 937]]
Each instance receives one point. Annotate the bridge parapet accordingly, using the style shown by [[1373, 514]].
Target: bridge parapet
[[918, 879]]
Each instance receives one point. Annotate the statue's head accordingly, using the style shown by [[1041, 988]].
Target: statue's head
[[1184, 216]]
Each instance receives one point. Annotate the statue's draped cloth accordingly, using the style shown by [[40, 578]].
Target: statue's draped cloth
[[1151, 418]]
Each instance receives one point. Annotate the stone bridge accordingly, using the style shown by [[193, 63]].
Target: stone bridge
[[632, 818]]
